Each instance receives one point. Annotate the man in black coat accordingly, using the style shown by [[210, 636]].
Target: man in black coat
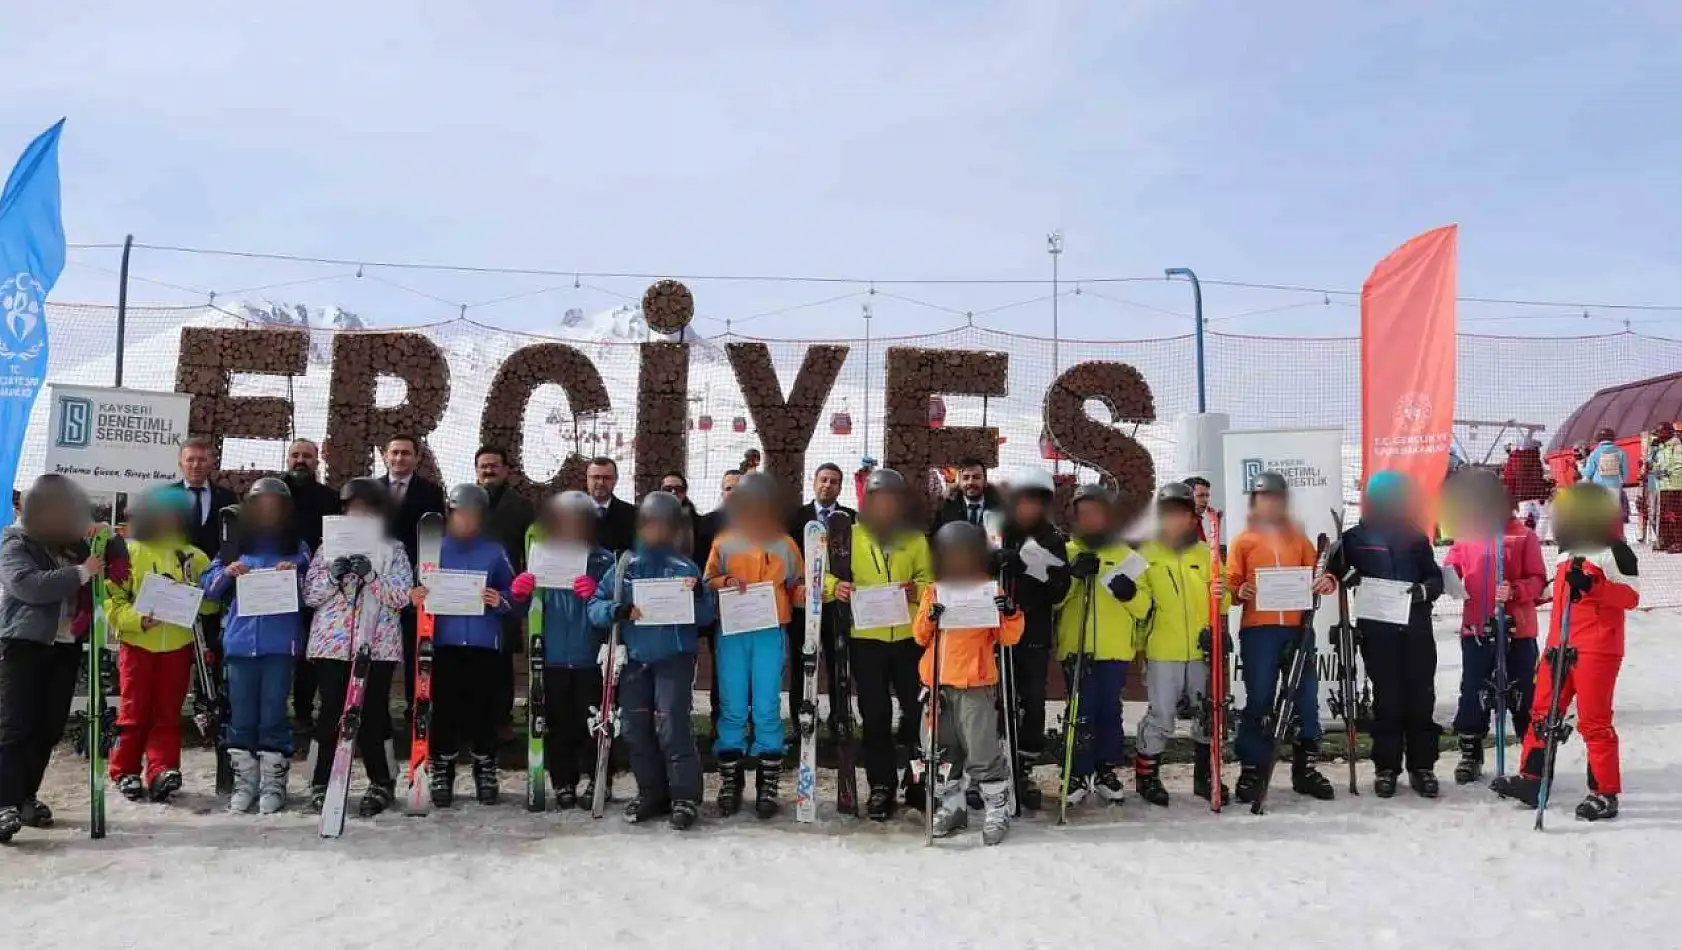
[[412, 496], [971, 499], [311, 502], [616, 519], [507, 520], [826, 494], [197, 463]]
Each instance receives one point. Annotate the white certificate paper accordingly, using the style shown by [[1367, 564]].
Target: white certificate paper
[[558, 564], [1131, 567], [967, 606], [454, 593], [750, 610], [163, 599], [1284, 588], [880, 606], [345, 535], [1385, 601], [266, 593], [663, 600], [1038, 561]]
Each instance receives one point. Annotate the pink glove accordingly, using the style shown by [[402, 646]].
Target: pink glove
[[584, 586], [523, 586]]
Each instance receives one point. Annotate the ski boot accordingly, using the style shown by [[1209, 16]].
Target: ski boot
[[683, 815], [318, 798], [880, 805], [1108, 786], [729, 783], [165, 784], [131, 787], [566, 796], [769, 777], [35, 814], [1598, 807], [275, 768], [441, 780], [1526, 786], [10, 823], [1470, 766], [1079, 788], [951, 813], [1305, 778], [1202, 775], [996, 824], [915, 795], [486, 788], [246, 781], [1384, 783], [376, 799], [643, 810], [1423, 782], [1249, 784], [1147, 780], [1028, 793], [972, 798], [589, 796]]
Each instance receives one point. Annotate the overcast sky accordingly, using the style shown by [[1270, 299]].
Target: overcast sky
[[1285, 143]]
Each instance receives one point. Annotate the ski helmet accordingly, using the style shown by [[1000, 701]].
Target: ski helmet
[[468, 495], [365, 491], [754, 488], [1036, 481], [269, 485], [1387, 488], [884, 479], [1585, 515], [956, 536], [1090, 492], [573, 503], [165, 501], [1269, 483], [662, 507], [1176, 494]]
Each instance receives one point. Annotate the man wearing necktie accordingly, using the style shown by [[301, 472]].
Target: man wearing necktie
[[826, 495], [971, 499], [197, 463], [616, 519], [412, 495]]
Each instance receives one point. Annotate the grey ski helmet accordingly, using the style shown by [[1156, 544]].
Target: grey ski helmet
[[1090, 492], [573, 503], [660, 506], [754, 488], [468, 495], [884, 479], [1036, 481], [1176, 493], [367, 491], [268, 485], [1268, 483], [960, 536]]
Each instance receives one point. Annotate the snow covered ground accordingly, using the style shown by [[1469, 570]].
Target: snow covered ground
[[1464, 871]]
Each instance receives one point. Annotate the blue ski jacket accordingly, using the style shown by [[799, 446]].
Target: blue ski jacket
[[647, 643], [1396, 552], [476, 554], [274, 635], [570, 640]]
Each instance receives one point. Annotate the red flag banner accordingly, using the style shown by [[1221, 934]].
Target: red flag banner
[[1407, 361]]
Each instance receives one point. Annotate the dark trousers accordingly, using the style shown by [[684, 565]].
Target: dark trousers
[[569, 751], [407, 620], [36, 683], [1477, 670], [1099, 738], [883, 672], [1031, 665], [333, 681], [1402, 664], [466, 685], [1262, 649], [655, 701]]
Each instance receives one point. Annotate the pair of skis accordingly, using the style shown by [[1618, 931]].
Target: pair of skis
[[350, 720], [839, 528], [1498, 691], [604, 721], [429, 546], [1219, 698], [1005, 658], [1281, 722], [99, 725], [1554, 728], [1345, 637], [815, 545], [1074, 727]]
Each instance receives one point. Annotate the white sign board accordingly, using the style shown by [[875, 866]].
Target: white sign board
[[1311, 461], [115, 440]]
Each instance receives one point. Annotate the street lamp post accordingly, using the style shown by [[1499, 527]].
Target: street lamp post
[[1197, 308]]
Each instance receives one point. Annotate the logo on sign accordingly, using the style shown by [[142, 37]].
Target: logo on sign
[[1248, 469], [22, 332], [75, 423], [1413, 412]]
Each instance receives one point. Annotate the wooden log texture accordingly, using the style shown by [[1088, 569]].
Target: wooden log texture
[[662, 437], [1125, 464], [357, 429], [786, 424], [667, 306], [502, 423], [210, 356]]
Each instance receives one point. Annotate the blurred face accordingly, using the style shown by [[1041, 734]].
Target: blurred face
[[1175, 522], [195, 465], [575, 526], [401, 458], [60, 520], [884, 510], [1092, 518], [657, 534], [972, 482], [826, 486], [758, 520], [491, 470], [1270, 507], [1029, 510], [362, 509], [465, 522], [599, 481], [304, 454], [728, 485], [267, 511], [1200, 497], [963, 564]]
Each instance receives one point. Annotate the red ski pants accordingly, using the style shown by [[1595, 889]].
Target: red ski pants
[[154, 687], [1591, 681]]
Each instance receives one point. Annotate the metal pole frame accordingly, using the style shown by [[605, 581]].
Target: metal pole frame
[[122, 306], [1197, 309]]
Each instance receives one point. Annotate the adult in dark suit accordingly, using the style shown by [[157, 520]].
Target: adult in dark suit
[[506, 520], [616, 519], [197, 462], [826, 494], [971, 499], [311, 502], [412, 496]]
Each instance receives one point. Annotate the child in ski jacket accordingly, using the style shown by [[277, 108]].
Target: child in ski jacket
[[1596, 585], [655, 666], [1175, 635], [1028, 526], [572, 675], [155, 660], [358, 602], [966, 692], [1097, 633], [468, 666], [749, 668], [259, 653]]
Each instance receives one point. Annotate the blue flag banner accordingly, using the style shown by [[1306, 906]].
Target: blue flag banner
[[31, 258]]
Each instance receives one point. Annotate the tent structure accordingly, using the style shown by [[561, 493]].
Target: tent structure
[[1629, 409]]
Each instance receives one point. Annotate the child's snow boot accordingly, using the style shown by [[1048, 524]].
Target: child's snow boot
[[683, 816], [165, 784], [441, 777], [1424, 783], [1598, 807], [275, 767], [10, 823], [375, 800], [770, 776], [1249, 784], [247, 781], [729, 783], [951, 813], [486, 787], [1108, 786], [1470, 766], [880, 805], [1305, 778], [1384, 783], [995, 796], [35, 814], [1147, 780]]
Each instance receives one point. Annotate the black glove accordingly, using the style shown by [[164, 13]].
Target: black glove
[[1579, 580], [1122, 587], [621, 612], [1084, 566], [1007, 607], [1351, 579], [1205, 641], [1417, 592], [361, 566], [339, 569], [936, 610], [1006, 561]]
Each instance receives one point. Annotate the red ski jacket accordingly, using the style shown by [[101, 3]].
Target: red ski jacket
[[1597, 620]]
